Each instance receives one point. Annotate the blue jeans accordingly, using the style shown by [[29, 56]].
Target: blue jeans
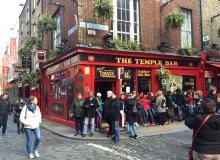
[[117, 130], [86, 122], [37, 134], [132, 129]]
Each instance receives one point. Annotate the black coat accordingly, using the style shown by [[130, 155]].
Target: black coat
[[129, 105], [115, 109], [208, 139], [4, 107], [107, 112], [90, 107], [179, 99], [77, 107]]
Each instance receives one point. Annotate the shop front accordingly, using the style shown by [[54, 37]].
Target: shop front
[[85, 69], [211, 71]]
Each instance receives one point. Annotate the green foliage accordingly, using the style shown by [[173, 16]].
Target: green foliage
[[103, 10], [45, 23], [187, 51], [28, 46], [162, 73], [35, 78], [130, 45], [174, 20], [54, 54]]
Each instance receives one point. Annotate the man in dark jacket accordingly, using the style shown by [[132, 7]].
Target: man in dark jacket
[[107, 113], [207, 141], [4, 109], [90, 106], [115, 115], [78, 113], [212, 94], [180, 103]]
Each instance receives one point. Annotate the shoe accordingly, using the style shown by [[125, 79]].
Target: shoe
[[135, 136], [36, 154], [76, 134], [31, 156], [4, 136], [109, 135], [91, 134], [83, 135], [131, 137]]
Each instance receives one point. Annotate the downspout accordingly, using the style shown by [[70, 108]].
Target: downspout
[[201, 26]]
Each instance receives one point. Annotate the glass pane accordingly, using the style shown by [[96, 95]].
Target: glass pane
[[127, 15], [123, 37], [135, 38], [119, 3], [135, 28], [119, 35], [119, 26], [123, 27], [123, 3], [135, 16], [119, 14], [127, 27], [127, 4], [123, 15], [128, 37]]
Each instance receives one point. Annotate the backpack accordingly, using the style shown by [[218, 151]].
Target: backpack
[[163, 103], [135, 110]]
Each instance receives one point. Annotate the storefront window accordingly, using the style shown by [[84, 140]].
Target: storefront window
[[63, 87], [128, 80], [144, 81]]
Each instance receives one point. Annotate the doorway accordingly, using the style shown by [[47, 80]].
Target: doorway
[[103, 87]]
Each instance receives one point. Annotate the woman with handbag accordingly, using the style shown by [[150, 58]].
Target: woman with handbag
[[31, 118], [206, 131], [17, 111]]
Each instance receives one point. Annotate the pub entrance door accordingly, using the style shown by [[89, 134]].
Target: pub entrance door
[[103, 87]]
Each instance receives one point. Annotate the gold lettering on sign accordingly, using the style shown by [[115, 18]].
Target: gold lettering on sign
[[146, 61], [143, 73]]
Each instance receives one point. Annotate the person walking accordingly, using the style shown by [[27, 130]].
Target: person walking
[[131, 112], [122, 110], [77, 108], [90, 106], [180, 103], [115, 114], [108, 114], [161, 108], [4, 110], [17, 112], [206, 131], [31, 118]]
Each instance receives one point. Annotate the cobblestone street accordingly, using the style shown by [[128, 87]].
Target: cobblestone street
[[161, 147]]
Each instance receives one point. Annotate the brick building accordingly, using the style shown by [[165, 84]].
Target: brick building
[[85, 66], [211, 23]]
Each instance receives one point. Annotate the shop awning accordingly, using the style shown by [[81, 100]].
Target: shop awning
[[214, 64]]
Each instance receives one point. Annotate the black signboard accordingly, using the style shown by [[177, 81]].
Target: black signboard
[[189, 83], [106, 73], [137, 60], [212, 58]]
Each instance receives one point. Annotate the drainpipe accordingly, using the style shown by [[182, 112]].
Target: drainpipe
[[201, 26]]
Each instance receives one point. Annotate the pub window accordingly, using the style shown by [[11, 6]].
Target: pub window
[[53, 90], [63, 87], [57, 32], [128, 80], [125, 22], [57, 86], [186, 29], [144, 81]]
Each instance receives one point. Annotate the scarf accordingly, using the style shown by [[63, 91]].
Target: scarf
[[31, 107]]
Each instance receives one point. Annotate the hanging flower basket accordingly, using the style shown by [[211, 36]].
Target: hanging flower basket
[[174, 20], [162, 73], [103, 9]]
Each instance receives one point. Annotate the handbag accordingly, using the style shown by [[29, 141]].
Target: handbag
[[195, 134]]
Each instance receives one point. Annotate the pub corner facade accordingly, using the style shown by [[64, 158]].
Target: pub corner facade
[[85, 66]]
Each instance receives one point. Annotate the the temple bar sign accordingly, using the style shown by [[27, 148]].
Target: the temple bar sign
[[106, 72], [146, 61]]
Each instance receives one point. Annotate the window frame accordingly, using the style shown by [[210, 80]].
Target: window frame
[[189, 30], [115, 21], [57, 33]]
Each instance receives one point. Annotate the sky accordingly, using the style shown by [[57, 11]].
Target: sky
[[9, 13]]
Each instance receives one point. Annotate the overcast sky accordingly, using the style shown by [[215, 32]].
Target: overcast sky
[[9, 13]]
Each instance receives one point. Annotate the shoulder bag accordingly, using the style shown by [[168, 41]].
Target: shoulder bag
[[195, 134]]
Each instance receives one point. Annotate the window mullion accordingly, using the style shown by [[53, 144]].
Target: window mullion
[[131, 20]]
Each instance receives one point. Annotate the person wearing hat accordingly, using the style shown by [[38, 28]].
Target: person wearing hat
[[4, 110], [99, 111]]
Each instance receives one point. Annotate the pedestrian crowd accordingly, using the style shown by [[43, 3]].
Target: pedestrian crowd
[[126, 112]]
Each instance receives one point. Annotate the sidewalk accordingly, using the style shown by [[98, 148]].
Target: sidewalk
[[67, 132]]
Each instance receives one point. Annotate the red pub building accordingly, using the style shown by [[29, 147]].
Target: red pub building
[[86, 69]]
